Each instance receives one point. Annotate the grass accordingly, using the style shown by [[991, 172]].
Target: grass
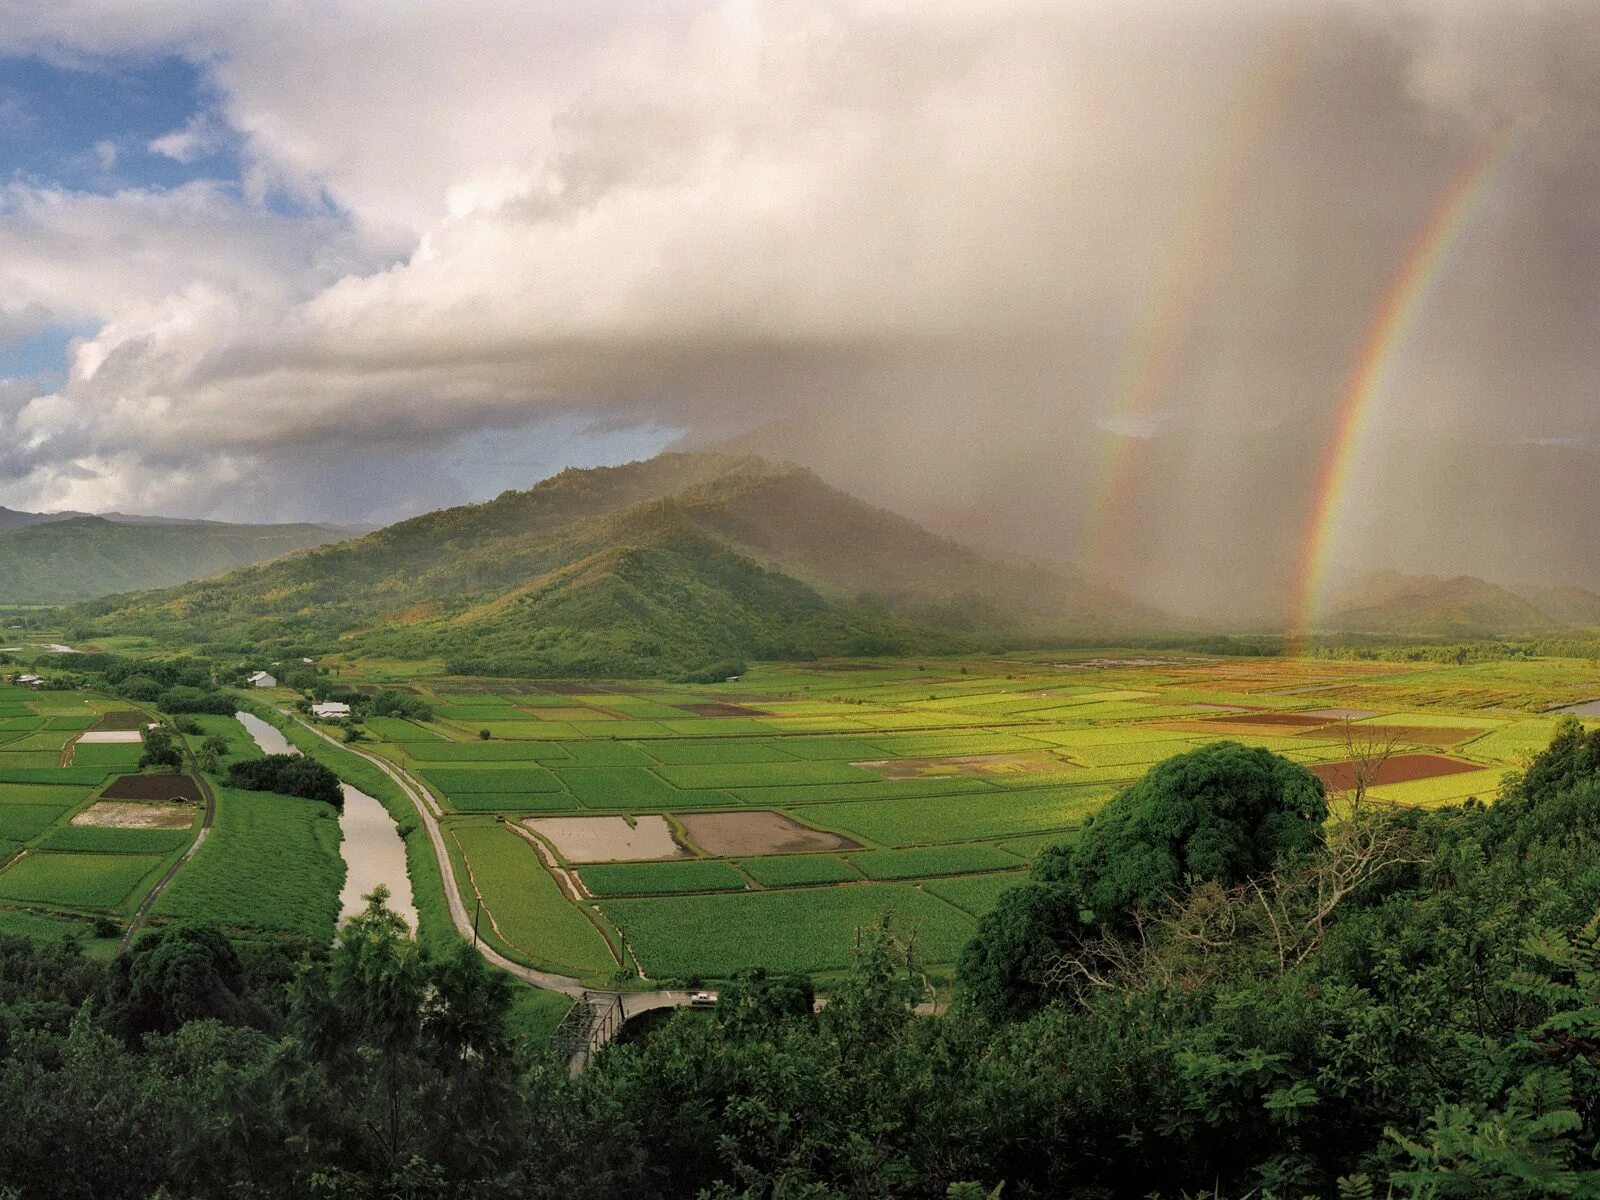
[[526, 906], [23, 822], [51, 927], [82, 881], [53, 775], [779, 774], [792, 870], [630, 788], [271, 863], [100, 840], [1429, 792], [107, 754], [663, 878], [463, 780], [800, 929], [960, 818], [935, 860], [487, 752], [975, 894]]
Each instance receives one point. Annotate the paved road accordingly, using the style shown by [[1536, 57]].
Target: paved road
[[633, 1003]]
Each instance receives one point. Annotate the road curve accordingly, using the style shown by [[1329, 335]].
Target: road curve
[[633, 1003]]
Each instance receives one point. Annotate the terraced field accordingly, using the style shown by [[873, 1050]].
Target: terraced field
[[790, 806]]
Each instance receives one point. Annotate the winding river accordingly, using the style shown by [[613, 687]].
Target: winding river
[[371, 847]]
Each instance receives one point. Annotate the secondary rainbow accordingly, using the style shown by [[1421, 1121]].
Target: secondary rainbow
[[1408, 289], [1199, 245]]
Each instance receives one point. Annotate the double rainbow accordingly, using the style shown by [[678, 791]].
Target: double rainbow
[[1198, 247], [1408, 289]]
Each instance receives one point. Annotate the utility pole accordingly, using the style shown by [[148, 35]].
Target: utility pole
[[475, 914]]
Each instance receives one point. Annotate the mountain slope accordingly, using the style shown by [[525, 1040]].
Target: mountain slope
[[79, 558], [650, 567], [1564, 605], [1463, 606]]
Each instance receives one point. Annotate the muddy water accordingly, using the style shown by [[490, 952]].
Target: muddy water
[[371, 847], [1589, 708], [373, 854], [268, 738]]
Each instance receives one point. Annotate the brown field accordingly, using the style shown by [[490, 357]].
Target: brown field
[[110, 814], [739, 833], [965, 764], [154, 787], [122, 718], [1297, 720], [608, 839], [1402, 768], [721, 708]]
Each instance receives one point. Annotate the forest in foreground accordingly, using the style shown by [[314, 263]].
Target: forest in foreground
[[1212, 992]]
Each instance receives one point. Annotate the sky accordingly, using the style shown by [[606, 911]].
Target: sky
[[1082, 279]]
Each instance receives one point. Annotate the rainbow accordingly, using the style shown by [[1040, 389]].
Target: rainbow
[[1199, 245], [1408, 288]]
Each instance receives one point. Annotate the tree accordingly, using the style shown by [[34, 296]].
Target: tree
[[177, 974], [1223, 813], [288, 775], [160, 749], [1003, 970]]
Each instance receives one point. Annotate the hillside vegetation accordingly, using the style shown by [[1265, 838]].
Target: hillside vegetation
[[650, 568], [1463, 606], [80, 558]]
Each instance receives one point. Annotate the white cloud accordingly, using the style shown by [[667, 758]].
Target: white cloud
[[198, 137], [709, 214]]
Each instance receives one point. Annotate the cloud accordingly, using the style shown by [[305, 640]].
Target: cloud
[[924, 238], [105, 153], [199, 137]]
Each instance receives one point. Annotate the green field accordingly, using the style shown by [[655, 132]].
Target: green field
[[944, 779], [270, 864]]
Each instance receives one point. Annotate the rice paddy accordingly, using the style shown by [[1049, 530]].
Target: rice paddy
[[759, 822]]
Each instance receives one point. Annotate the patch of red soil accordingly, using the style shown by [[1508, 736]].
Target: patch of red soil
[[1402, 768], [154, 787]]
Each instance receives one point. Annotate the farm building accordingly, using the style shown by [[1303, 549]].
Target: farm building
[[330, 708], [31, 680], [261, 679]]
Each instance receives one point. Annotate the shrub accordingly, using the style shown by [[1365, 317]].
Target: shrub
[[287, 775]]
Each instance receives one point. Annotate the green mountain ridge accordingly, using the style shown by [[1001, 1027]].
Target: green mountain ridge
[[81, 558], [652, 567]]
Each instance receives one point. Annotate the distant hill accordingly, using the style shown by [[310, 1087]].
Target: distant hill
[[1462, 606], [653, 567], [57, 560], [1567, 605]]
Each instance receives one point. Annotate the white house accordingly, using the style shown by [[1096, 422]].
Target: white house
[[330, 708], [31, 680], [261, 679]]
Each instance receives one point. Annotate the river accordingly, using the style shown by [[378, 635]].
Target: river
[[371, 846]]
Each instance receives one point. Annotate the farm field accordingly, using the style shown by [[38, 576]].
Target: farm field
[[708, 828], [81, 842]]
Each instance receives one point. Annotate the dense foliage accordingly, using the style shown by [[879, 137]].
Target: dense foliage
[[288, 775], [1405, 1008]]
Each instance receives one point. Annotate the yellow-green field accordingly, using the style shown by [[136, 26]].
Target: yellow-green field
[[763, 820]]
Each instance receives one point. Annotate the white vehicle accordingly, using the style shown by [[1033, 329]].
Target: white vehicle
[[703, 1000]]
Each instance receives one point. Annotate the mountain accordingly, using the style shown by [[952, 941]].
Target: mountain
[[1461, 606], [60, 558], [1566, 605], [653, 567]]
